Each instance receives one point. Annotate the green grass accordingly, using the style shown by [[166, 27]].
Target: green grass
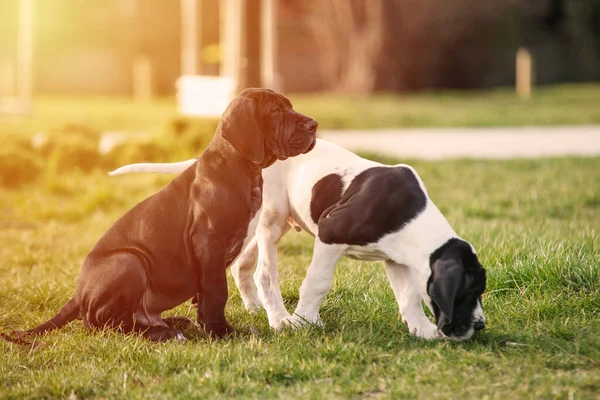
[[113, 113], [535, 225], [552, 105]]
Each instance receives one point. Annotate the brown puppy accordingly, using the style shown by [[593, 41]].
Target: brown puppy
[[179, 242]]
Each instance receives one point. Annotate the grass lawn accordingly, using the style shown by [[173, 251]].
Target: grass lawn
[[535, 225], [552, 105]]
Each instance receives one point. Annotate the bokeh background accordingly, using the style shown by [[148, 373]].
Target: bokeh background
[[92, 85], [358, 46]]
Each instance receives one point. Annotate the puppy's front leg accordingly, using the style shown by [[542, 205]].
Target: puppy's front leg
[[213, 295], [409, 301], [316, 284]]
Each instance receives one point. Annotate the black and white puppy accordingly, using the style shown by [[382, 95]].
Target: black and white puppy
[[367, 211]]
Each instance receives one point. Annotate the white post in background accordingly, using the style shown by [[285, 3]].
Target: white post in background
[[232, 40], [25, 54], [268, 51], [208, 96], [524, 73], [189, 37]]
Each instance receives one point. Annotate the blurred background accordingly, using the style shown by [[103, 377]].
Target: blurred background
[[104, 74], [356, 46]]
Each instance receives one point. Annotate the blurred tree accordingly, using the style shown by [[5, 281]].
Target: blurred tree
[[349, 36], [251, 52], [450, 44], [366, 45], [564, 38], [586, 14], [584, 28], [555, 15]]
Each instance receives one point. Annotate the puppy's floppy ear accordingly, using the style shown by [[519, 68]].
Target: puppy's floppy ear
[[447, 278], [240, 128]]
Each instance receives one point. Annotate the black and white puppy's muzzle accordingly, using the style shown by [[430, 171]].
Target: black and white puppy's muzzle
[[455, 287]]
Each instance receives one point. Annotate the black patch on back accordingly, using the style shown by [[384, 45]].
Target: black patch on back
[[379, 201], [325, 193]]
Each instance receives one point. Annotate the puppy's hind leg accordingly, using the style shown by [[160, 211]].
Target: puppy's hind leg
[[243, 271], [409, 300], [272, 226], [110, 291]]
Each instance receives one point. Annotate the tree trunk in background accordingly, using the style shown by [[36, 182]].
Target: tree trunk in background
[[251, 65], [349, 36], [405, 45]]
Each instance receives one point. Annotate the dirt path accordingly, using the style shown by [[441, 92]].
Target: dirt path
[[492, 143]]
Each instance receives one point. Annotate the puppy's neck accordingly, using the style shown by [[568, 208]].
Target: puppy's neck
[[221, 154]]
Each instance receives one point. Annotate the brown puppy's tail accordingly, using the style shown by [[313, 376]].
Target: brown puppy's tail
[[68, 313]]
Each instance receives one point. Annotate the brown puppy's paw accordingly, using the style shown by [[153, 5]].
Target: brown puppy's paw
[[219, 331], [163, 334]]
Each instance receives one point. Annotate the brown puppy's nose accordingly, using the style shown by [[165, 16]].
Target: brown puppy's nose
[[311, 125]]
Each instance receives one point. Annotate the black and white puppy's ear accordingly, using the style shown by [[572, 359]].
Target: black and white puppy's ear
[[447, 278], [240, 128]]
